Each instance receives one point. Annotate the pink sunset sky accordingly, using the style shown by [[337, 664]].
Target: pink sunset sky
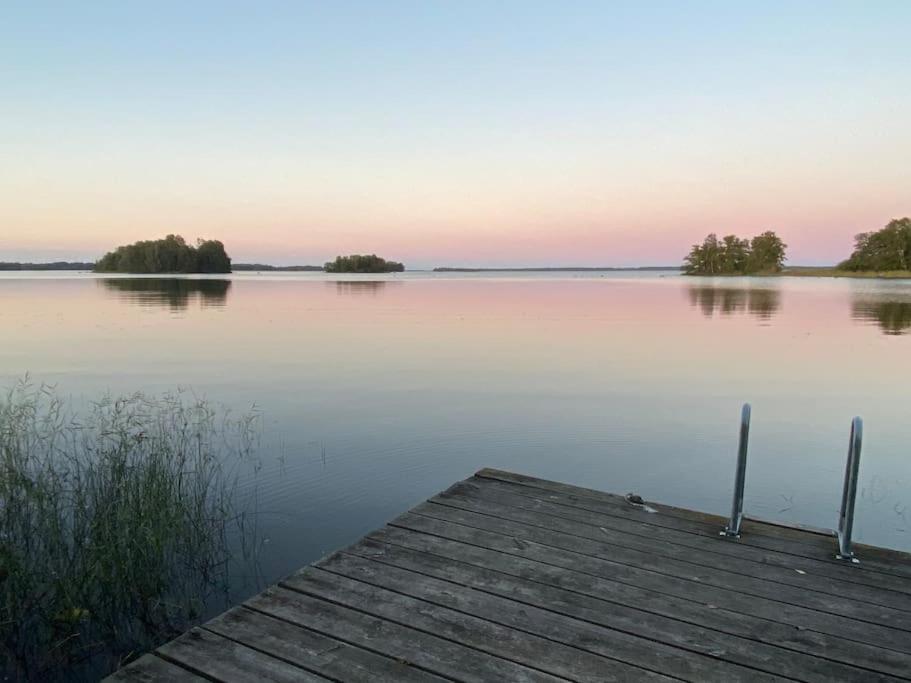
[[453, 134]]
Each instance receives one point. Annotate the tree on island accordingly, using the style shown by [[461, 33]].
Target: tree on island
[[885, 249], [363, 263], [169, 255], [732, 255]]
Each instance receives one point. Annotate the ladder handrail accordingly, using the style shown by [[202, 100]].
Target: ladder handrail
[[733, 527], [849, 492]]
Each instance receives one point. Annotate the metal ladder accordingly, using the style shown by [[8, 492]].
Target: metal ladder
[[848, 494]]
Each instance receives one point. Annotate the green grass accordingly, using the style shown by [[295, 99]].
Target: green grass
[[117, 522]]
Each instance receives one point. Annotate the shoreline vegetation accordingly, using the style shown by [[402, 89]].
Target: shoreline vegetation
[[122, 520], [55, 265], [881, 254], [553, 269], [786, 271], [266, 268], [834, 271]]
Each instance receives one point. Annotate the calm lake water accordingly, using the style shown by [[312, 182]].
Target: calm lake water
[[377, 393]]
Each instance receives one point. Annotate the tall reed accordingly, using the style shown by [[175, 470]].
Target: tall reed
[[118, 521]]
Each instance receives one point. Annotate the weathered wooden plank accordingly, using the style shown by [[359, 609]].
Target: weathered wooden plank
[[312, 651], [876, 614], [153, 669], [507, 577], [428, 651], [533, 651], [596, 577], [225, 660], [662, 542], [795, 533], [658, 536], [770, 536], [681, 609], [573, 492], [529, 598], [683, 562], [587, 637]]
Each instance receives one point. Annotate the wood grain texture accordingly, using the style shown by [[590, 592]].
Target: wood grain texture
[[512, 578]]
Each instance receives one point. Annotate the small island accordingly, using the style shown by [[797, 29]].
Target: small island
[[169, 255], [731, 255], [363, 263]]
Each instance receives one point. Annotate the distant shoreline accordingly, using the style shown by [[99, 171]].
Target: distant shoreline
[[56, 265], [552, 269], [820, 271], [262, 267], [829, 271], [788, 271], [88, 265]]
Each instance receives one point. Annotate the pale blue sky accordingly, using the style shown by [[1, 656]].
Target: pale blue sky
[[571, 132]]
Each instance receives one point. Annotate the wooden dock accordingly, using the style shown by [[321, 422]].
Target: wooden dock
[[505, 577]]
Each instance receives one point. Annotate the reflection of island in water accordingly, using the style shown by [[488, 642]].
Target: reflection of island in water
[[360, 287], [174, 293], [893, 316], [763, 303]]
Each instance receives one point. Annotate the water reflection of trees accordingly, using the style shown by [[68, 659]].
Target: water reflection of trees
[[762, 303], [893, 316], [174, 293], [360, 287]]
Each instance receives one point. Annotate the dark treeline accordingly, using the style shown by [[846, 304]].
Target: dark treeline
[[169, 255], [883, 250], [732, 255], [363, 263], [267, 268], [553, 269], [56, 265]]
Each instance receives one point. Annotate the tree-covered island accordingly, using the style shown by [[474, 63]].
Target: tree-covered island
[[363, 263], [731, 255], [169, 255]]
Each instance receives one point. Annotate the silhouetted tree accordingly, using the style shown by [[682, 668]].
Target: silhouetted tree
[[885, 249], [705, 258], [735, 253], [766, 253], [211, 257]]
